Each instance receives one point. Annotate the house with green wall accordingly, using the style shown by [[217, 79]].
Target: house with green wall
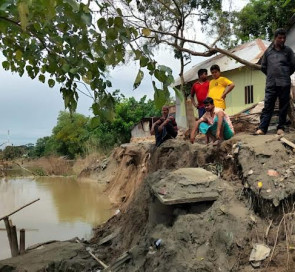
[[249, 83]]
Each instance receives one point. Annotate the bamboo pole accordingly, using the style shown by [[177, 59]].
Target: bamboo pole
[[14, 243], [19, 209], [8, 230], [22, 241]]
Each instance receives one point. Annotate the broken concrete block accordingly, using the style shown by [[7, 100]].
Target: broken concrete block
[[186, 185]]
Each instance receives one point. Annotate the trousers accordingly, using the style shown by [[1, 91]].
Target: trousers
[[271, 95]]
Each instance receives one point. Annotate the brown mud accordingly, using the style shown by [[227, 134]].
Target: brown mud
[[254, 205]]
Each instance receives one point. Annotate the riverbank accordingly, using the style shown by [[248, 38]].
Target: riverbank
[[251, 204]]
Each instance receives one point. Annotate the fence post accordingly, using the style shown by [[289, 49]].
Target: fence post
[[22, 241], [14, 243]]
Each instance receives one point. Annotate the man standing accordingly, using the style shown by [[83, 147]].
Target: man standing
[[165, 128], [219, 87], [278, 64], [200, 89], [215, 123]]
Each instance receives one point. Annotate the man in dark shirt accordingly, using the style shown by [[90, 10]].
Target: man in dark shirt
[[278, 63], [165, 128]]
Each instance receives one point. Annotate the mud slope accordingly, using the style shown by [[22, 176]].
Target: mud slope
[[253, 207]]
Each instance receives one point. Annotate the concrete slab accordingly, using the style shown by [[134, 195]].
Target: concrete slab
[[185, 185]]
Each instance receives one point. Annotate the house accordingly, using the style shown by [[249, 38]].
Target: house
[[249, 83]]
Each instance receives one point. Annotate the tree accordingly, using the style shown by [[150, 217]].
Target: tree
[[260, 18], [69, 41], [128, 112], [13, 152]]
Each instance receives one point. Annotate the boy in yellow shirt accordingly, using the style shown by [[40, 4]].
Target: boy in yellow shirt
[[219, 87]]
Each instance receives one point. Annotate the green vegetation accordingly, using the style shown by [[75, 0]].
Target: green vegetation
[[260, 18], [74, 42], [77, 135]]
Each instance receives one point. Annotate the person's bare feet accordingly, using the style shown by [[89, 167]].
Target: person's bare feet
[[259, 132], [280, 132]]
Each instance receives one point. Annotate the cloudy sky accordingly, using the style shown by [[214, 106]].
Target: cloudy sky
[[29, 108]]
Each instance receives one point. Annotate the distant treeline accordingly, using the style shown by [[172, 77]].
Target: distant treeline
[[77, 135]]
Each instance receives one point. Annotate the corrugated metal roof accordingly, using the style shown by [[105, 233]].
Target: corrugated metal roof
[[251, 51]]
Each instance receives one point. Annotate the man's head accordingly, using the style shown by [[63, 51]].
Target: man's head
[[202, 73], [280, 38], [215, 71], [209, 104], [165, 111]]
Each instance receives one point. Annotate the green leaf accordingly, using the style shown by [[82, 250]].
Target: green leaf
[[178, 94], [74, 4], [119, 11], [160, 96], [18, 55], [102, 24], [51, 83], [94, 122], [66, 67], [118, 22], [5, 65], [87, 18], [138, 79], [143, 61], [42, 78], [5, 4], [146, 32], [73, 70], [23, 11]]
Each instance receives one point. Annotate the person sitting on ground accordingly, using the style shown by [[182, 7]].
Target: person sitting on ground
[[200, 89], [165, 128], [215, 123], [219, 87]]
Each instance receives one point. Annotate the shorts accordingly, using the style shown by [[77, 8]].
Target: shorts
[[227, 132]]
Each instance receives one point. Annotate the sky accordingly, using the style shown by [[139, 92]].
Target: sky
[[29, 108]]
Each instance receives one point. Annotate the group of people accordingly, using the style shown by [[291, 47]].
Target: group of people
[[278, 64], [213, 121]]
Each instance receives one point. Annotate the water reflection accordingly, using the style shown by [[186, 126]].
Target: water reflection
[[67, 209]]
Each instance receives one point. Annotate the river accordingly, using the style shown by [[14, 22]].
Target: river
[[67, 209]]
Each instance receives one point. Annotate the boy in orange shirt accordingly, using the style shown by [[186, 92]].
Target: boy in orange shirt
[[219, 87]]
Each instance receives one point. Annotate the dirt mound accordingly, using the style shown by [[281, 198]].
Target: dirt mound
[[208, 236]]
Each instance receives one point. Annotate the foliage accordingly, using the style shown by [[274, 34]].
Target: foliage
[[69, 134], [13, 152], [74, 134], [260, 18], [128, 112], [61, 41]]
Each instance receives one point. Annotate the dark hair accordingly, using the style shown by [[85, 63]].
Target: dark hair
[[202, 71], [215, 67], [208, 100], [280, 31]]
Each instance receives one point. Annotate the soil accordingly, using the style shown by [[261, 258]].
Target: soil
[[254, 205]]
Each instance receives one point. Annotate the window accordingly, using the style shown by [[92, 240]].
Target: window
[[249, 94]]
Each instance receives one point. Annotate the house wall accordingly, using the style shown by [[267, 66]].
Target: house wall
[[142, 129], [235, 100]]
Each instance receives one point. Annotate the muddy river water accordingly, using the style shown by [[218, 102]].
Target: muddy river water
[[67, 209]]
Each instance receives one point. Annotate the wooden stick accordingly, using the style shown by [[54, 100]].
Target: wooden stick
[[19, 209], [14, 241], [22, 241], [8, 229], [98, 260], [289, 143], [94, 257]]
